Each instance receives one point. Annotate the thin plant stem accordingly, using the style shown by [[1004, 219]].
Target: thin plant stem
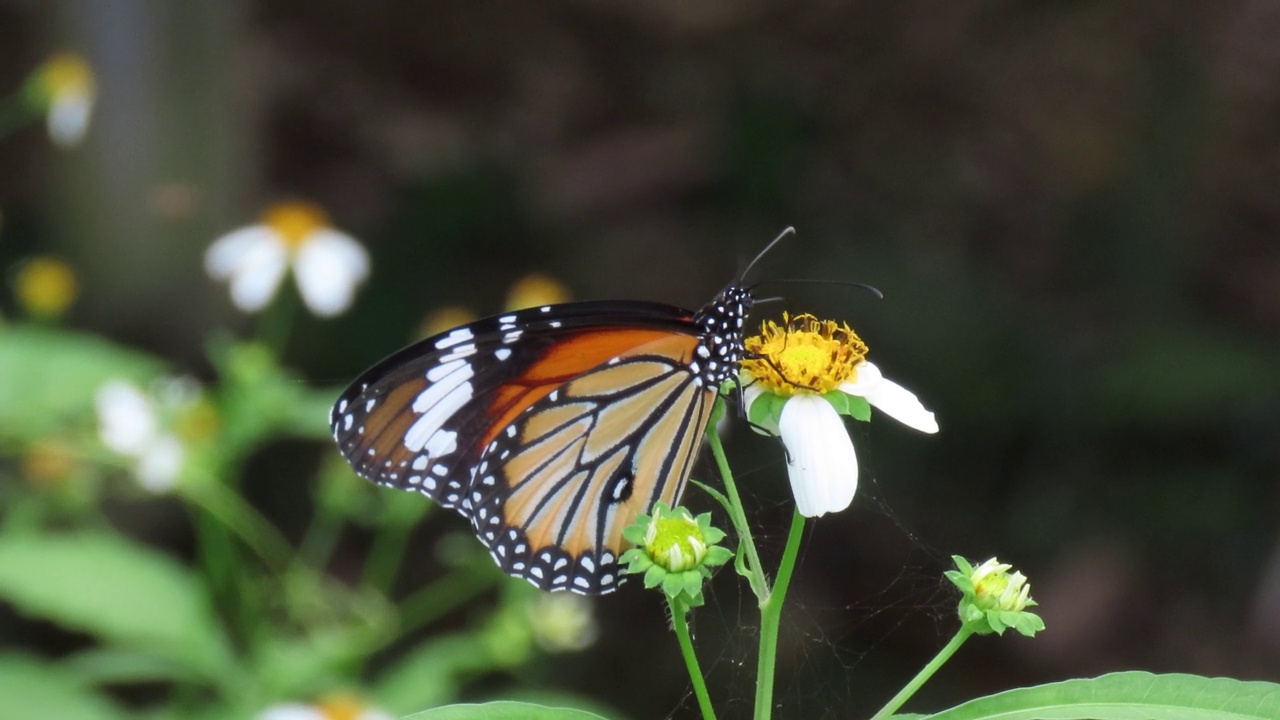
[[232, 512], [445, 595], [771, 619], [925, 673], [276, 322], [680, 621], [384, 558], [759, 583], [321, 538]]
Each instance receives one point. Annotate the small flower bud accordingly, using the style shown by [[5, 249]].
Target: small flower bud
[[993, 598], [675, 550]]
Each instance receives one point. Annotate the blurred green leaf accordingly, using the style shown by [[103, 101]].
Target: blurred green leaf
[[120, 591], [431, 674], [33, 690], [261, 398], [49, 376], [504, 711], [101, 666]]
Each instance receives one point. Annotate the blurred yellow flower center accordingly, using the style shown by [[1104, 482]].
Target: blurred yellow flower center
[[67, 74], [803, 354], [536, 290], [47, 464], [198, 422], [46, 287], [295, 221], [341, 707], [445, 318]]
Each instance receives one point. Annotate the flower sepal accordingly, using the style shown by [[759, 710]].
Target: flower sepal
[[993, 599], [853, 406], [675, 551]]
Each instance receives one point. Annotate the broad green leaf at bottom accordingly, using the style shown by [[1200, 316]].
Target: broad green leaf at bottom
[[1129, 696]]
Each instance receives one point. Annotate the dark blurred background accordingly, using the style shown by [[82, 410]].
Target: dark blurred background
[[1072, 208]]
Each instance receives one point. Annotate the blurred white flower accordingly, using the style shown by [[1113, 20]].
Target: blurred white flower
[[327, 264], [337, 707], [799, 378], [63, 87], [563, 622], [129, 424]]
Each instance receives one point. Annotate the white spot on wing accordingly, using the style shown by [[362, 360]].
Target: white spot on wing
[[424, 429], [438, 372], [453, 338]]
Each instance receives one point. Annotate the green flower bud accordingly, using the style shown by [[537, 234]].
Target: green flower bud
[[993, 599]]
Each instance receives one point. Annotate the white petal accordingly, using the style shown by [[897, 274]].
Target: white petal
[[328, 267], [867, 376], [821, 463], [126, 418], [373, 714], [160, 464], [291, 711], [894, 400], [255, 280], [228, 252], [68, 119]]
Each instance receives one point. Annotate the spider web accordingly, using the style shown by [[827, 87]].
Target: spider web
[[822, 643]]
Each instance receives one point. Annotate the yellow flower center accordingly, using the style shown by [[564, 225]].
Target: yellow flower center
[[46, 287], [295, 221], [675, 543], [67, 74], [341, 707], [803, 354]]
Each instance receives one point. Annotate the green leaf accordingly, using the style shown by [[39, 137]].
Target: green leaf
[[766, 410], [1129, 696], [33, 690], [432, 673], [854, 406], [505, 710], [120, 591], [49, 377]]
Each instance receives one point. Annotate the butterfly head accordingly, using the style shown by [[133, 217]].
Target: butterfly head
[[722, 323]]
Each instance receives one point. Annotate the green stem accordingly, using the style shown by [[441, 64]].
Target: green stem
[[322, 537], [759, 584], [445, 595], [927, 672], [276, 321], [384, 558], [680, 621], [771, 619], [233, 513]]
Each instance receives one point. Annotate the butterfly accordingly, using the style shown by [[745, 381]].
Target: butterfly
[[552, 428]]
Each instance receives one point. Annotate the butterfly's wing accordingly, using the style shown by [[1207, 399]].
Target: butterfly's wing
[[556, 485], [430, 417]]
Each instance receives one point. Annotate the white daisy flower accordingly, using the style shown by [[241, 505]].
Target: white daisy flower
[[129, 424], [327, 264], [800, 378], [336, 707], [65, 90]]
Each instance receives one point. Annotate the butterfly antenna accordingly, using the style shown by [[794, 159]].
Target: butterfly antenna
[[807, 281], [767, 248]]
